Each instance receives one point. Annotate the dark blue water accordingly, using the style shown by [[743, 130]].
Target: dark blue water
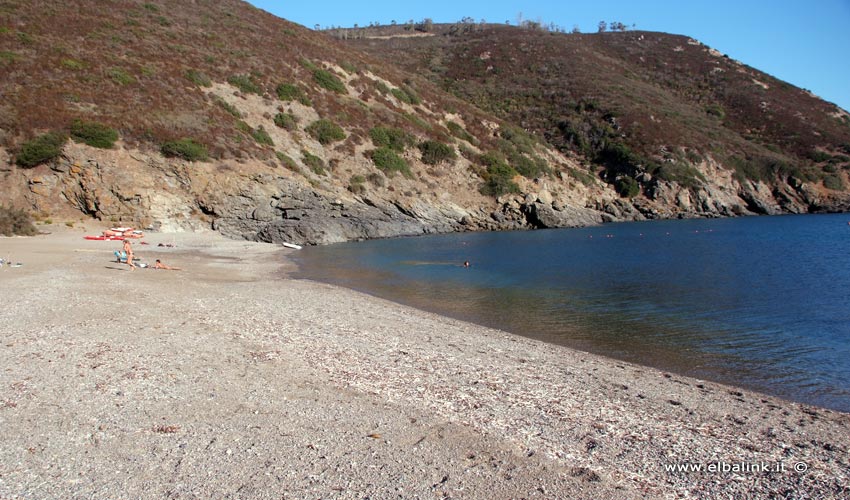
[[760, 302]]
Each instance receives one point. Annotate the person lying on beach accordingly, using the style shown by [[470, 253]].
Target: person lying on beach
[[160, 265]]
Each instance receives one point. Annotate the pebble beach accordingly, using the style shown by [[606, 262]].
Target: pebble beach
[[230, 379]]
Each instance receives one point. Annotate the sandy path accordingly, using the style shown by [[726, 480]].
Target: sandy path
[[227, 380]]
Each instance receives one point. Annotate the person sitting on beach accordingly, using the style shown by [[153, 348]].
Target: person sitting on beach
[[160, 265], [128, 249]]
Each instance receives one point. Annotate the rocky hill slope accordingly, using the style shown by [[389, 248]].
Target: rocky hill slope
[[663, 117], [178, 115]]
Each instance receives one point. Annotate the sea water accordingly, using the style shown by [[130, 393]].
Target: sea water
[[758, 302]]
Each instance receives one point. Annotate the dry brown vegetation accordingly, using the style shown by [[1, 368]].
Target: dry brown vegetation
[[143, 68]]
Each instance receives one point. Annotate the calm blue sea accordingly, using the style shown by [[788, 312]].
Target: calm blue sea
[[759, 302]]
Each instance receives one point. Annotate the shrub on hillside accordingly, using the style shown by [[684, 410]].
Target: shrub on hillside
[[287, 161], [15, 222], [325, 131], [41, 149], [185, 148], [529, 167], [389, 162], [289, 92], [833, 182], [406, 94], [626, 187], [356, 184], [120, 76], [198, 78], [461, 133], [96, 135], [246, 84], [328, 80], [435, 152], [262, 137], [231, 109], [498, 178], [316, 164], [393, 138], [286, 121]]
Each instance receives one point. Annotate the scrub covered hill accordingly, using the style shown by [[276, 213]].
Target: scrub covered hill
[[176, 115], [639, 105], [189, 114]]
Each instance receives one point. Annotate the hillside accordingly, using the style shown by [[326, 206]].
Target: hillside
[[180, 115], [641, 106]]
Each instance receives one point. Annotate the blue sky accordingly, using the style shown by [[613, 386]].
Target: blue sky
[[804, 43]]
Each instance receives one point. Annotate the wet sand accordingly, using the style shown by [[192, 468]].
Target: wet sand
[[229, 379]]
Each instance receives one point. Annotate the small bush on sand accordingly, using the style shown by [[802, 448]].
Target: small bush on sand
[[15, 222]]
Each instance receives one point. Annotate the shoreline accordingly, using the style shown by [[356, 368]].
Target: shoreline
[[223, 379]]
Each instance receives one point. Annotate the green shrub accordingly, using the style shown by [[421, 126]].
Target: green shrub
[[393, 138], [15, 222], [198, 78], [685, 175], [289, 92], [434, 152], [7, 56], [819, 156], [120, 76], [328, 80], [833, 182], [286, 121], [185, 148], [245, 83], [41, 149], [518, 140], [325, 131], [389, 162], [287, 161], [498, 180], [356, 184], [406, 94], [73, 64], [96, 135], [231, 109], [461, 133], [316, 164], [715, 110], [382, 87], [529, 167], [244, 127], [626, 187], [262, 137]]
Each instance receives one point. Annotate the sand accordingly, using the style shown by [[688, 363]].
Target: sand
[[229, 379]]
